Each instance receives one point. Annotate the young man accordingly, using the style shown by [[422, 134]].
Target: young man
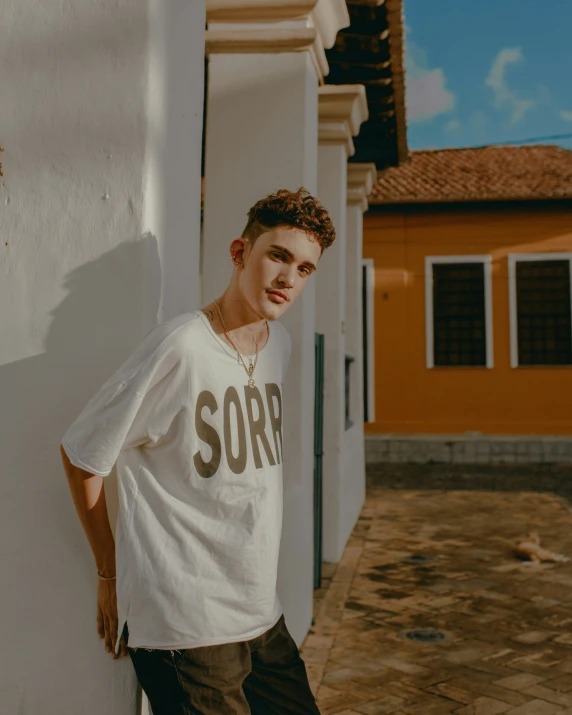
[[193, 420]]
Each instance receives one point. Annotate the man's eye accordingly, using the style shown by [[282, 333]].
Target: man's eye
[[278, 255], [306, 270]]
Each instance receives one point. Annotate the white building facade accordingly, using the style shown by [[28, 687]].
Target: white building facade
[[102, 237]]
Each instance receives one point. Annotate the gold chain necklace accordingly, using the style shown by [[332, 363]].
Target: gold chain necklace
[[251, 367]]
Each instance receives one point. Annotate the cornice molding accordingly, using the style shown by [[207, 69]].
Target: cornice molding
[[343, 102], [324, 17], [319, 59], [330, 16], [361, 180], [258, 10], [327, 16], [319, 54], [336, 134], [263, 41], [341, 105]]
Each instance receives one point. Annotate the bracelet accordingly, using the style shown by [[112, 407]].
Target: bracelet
[[106, 578]]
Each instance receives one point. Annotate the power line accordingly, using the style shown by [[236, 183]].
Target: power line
[[527, 141]]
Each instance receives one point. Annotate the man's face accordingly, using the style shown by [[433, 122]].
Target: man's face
[[276, 269]]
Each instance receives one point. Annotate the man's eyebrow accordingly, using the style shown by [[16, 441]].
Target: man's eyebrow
[[291, 255]]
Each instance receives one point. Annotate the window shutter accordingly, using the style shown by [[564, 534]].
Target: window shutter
[[459, 318], [543, 312]]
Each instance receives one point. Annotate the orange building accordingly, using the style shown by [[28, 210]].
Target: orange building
[[472, 258]]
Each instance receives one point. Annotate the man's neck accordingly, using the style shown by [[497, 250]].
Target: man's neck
[[239, 319]]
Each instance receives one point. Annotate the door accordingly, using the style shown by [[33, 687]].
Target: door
[[318, 447]]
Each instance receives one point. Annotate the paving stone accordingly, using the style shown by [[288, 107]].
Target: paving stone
[[316, 655], [533, 637], [519, 682], [380, 706], [483, 687], [457, 694], [539, 691], [328, 706], [429, 706], [509, 624], [491, 667], [535, 707], [484, 706], [563, 684]]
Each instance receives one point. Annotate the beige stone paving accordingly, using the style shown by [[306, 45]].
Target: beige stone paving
[[443, 560]]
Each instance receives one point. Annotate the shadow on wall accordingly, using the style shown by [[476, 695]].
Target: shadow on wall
[[49, 590]]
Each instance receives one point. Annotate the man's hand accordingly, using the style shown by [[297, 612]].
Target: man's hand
[[107, 618], [89, 499]]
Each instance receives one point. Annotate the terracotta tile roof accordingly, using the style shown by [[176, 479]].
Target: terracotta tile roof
[[491, 173]]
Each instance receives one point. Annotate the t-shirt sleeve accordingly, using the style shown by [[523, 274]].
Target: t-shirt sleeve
[[136, 405]]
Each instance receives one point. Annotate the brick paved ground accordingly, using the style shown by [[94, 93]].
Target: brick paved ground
[[424, 557]]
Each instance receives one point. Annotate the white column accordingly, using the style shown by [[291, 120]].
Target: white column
[[175, 91], [361, 178], [342, 109], [262, 135]]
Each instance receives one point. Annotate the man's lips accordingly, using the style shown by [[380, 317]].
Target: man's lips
[[279, 295]]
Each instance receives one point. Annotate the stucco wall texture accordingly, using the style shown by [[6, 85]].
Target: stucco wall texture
[[83, 261], [409, 397]]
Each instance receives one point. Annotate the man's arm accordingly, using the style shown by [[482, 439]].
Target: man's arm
[[89, 499]]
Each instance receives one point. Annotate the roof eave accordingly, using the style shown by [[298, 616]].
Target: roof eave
[[395, 23], [373, 204], [370, 52]]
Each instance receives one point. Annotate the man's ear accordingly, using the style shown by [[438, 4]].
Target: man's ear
[[239, 248]]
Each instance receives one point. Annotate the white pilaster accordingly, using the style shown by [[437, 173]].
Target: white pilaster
[[342, 109], [175, 94], [262, 135], [361, 178]]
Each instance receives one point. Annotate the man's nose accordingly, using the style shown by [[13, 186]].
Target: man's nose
[[287, 276]]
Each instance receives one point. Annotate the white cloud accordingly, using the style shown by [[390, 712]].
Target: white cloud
[[453, 126], [567, 116], [426, 93], [504, 96]]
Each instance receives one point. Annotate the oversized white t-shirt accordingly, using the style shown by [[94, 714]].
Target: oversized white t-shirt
[[199, 465]]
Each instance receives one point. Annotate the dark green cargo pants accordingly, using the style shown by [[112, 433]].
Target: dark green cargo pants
[[262, 676]]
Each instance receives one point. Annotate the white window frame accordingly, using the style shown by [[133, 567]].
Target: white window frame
[[370, 337], [513, 259], [430, 261]]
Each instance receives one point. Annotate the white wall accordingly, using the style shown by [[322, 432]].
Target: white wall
[[262, 118], [330, 320], [353, 444], [99, 216]]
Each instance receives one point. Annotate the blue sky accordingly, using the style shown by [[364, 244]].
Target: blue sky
[[487, 72]]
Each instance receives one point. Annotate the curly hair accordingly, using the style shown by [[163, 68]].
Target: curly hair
[[295, 209]]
